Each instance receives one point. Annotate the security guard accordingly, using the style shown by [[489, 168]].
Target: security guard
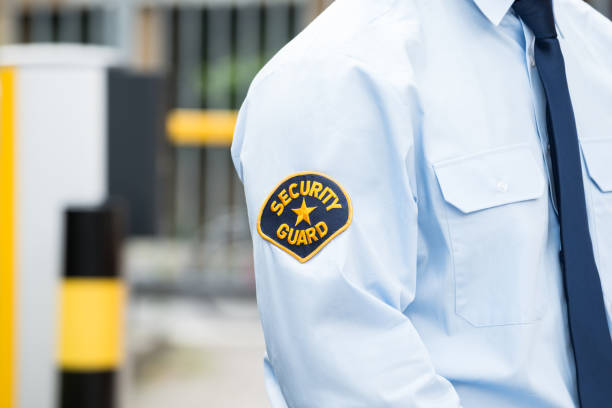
[[429, 186]]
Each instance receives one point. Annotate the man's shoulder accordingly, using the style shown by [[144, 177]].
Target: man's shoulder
[[349, 32]]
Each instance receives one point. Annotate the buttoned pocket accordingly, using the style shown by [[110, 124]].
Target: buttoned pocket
[[497, 228], [598, 159]]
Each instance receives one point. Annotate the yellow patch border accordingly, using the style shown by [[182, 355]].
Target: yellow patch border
[[324, 243]]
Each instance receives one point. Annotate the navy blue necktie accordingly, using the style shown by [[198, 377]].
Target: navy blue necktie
[[585, 304]]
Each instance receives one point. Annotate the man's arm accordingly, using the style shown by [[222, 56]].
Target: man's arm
[[334, 326]]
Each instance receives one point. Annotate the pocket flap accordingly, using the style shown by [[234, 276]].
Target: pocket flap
[[598, 158], [490, 179]]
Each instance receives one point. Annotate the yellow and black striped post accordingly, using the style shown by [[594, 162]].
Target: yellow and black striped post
[[92, 302]]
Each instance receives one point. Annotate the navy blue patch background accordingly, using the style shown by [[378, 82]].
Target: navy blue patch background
[[335, 218]]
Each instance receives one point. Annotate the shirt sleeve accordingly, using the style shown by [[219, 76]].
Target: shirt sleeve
[[334, 326]]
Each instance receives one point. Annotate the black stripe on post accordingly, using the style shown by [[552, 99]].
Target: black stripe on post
[[88, 389]]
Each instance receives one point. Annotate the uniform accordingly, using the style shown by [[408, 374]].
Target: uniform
[[437, 283]]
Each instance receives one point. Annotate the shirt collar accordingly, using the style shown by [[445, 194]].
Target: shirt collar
[[495, 10]]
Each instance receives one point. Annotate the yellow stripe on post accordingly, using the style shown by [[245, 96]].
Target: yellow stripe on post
[[201, 128], [7, 238], [91, 323]]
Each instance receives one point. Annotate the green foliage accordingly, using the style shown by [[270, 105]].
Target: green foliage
[[230, 75]]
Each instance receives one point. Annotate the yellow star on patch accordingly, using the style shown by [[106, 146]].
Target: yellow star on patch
[[303, 213]]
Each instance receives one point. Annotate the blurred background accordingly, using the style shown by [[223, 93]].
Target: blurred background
[[135, 99]]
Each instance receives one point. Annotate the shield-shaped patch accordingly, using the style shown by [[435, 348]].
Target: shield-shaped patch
[[304, 213]]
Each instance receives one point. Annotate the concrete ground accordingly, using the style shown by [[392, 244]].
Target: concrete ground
[[186, 354]]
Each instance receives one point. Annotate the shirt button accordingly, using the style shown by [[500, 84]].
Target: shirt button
[[502, 186], [532, 61]]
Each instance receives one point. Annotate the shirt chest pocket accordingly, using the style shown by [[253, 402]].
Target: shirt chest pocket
[[497, 215], [598, 159]]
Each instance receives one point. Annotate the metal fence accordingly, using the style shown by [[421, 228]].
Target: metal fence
[[209, 50], [605, 6]]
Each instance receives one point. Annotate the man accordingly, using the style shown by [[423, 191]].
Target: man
[[429, 186]]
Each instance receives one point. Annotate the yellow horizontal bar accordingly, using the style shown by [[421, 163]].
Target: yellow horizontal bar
[[91, 324], [201, 128]]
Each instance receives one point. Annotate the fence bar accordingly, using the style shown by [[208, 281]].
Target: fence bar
[[97, 21], [248, 56], [42, 30], [218, 96], [70, 29], [7, 21], [188, 163], [604, 6], [217, 169], [248, 29], [277, 28]]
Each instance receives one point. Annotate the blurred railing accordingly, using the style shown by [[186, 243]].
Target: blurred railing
[[210, 50], [605, 6]]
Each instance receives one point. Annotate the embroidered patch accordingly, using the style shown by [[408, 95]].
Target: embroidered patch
[[304, 213]]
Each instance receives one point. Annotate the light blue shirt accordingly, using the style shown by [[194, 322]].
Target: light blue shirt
[[446, 288]]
